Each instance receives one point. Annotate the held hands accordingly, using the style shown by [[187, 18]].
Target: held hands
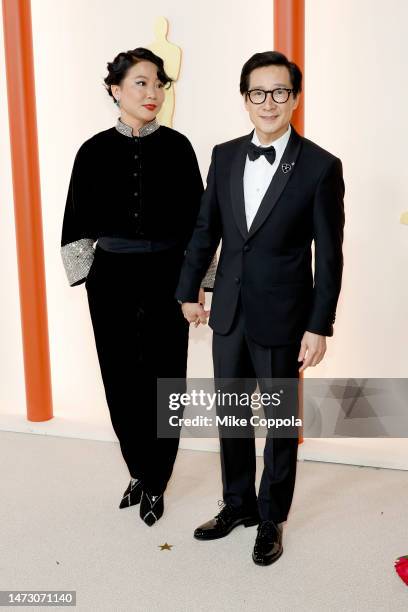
[[312, 350], [194, 312]]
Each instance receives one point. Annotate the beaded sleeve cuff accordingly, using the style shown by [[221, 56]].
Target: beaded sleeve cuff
[[77, 258], [209, 278]]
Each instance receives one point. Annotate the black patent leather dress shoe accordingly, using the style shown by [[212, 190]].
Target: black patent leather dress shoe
[[225, 521], [268, 544], [151, 508], [132, 495]]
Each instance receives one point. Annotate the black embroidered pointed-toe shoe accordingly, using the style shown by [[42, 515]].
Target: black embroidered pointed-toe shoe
[[132, 495], [151, 508]]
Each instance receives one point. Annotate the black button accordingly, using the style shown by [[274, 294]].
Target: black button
[[136, 157], [135, 174], [237, 280], [135, 194], [136, 214], [247, 248]]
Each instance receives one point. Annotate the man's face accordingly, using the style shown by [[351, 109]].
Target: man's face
[[270, 118]]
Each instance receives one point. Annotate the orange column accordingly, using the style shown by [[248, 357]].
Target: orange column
[[27, 206], [289, 38]]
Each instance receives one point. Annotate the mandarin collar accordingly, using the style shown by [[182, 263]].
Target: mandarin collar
[[147, 129]]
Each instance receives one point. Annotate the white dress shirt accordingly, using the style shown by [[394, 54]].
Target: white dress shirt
[[259, 173]]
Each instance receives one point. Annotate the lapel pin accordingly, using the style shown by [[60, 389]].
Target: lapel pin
[[287, 167]]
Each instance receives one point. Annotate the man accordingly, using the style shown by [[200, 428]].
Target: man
[[269, 196]]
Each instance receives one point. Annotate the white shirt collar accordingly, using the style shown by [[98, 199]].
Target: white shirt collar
[[279, 144]]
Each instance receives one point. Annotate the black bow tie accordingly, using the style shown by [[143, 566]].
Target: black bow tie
[[254, 152]]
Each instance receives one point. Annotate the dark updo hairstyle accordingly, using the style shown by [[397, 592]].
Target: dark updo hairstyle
[[123, 61], [271, 58]]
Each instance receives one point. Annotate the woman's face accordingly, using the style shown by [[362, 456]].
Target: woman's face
[[140, 93]]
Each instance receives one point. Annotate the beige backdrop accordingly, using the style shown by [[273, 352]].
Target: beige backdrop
[[355, 107]]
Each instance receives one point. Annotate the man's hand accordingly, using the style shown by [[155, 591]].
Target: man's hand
[[312, 350], [194, 312]]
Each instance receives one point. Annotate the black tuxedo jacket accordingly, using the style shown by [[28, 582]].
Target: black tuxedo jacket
[[271, 264]]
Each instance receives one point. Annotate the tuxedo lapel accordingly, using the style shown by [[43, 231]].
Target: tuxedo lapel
[[279, 181], [237, 185]]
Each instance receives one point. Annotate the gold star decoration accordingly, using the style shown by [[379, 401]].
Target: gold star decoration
[[165, 546]]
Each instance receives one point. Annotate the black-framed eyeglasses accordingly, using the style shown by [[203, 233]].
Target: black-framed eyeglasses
[[280, 95]]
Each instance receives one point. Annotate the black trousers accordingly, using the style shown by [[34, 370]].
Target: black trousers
[[238, 357], [140, 335]]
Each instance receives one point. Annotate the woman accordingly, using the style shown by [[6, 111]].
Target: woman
[[135, 189]]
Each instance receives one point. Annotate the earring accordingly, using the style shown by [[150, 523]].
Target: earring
[[117, 101]]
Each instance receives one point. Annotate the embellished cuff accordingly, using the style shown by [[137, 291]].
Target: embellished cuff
[[77, 258], [209, 278]]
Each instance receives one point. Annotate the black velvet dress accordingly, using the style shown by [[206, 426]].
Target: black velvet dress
[[138, 199]]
